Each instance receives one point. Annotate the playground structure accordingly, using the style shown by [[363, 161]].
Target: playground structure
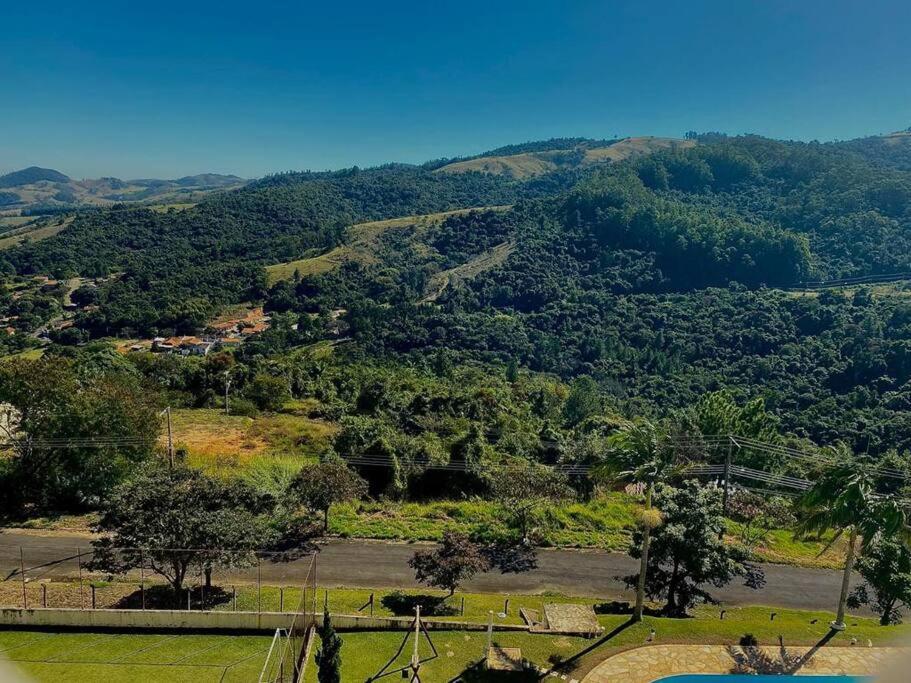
[[412, 670]]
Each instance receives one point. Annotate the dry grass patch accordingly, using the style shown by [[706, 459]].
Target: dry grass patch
[[361, 244], [231, 444], [32, 234]]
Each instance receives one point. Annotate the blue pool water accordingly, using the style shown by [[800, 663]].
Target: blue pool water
[[741, 678]]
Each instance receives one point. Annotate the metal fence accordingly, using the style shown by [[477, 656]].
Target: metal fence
[[53, 575], [287, 658]]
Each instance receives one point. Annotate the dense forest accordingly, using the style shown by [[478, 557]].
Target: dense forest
[[661, 278]]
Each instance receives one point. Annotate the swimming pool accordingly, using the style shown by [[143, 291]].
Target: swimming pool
[[749, 678]]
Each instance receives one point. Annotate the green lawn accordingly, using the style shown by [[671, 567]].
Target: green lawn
[[128, 657], [461, 653], [132, 657]]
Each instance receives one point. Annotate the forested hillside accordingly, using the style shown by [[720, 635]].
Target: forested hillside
[[662, 277]]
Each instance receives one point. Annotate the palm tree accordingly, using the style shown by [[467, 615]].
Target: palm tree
[[845, 500], [641, 453]]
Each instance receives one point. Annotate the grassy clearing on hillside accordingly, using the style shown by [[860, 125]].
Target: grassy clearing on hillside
[[12, 222], [134, 657], [178, 206], [899, 288], [33, 234], [453, 277], [531, 164], [361, 242]]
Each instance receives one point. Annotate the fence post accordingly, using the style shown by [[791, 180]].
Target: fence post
[[234, 597], [44, 595], [189, 598], [281, 599], [371, 604], [81, 584], [93, 596], [506, 606], [315, 587], [463, 606], [259, 585], [22, 575], [142, 581]]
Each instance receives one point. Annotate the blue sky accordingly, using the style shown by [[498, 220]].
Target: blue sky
[[162, 89]]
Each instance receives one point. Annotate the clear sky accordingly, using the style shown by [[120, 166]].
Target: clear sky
[[162, 89]]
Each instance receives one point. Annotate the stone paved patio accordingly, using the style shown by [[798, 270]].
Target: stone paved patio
[[647, 664]]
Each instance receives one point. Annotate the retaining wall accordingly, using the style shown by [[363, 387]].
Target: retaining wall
[[212, 621]]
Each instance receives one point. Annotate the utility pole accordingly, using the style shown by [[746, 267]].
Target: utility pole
[[167, 412], [415, 660], [227, 387], [727, 476], [170, 439]]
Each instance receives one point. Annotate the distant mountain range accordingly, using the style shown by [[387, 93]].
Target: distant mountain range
[[35, 188]]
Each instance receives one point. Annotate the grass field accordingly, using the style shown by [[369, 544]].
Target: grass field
[[461, 653], [140, 657], [235, 444]]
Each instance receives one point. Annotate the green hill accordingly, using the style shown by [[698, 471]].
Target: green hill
[[32, 174], [577, 154]]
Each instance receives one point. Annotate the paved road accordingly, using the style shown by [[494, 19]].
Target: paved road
[[372, 564]]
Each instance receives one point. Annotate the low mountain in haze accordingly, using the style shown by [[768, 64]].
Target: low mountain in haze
[[32, 174], [34, 189]]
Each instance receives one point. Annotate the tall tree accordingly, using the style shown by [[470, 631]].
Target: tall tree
[[171, 521], [641, 453], [845, 500], [74, 429], [584, 400], [454, 561], [523, 487], [886, 569], [321, 486], [688, 551], [329, 654]]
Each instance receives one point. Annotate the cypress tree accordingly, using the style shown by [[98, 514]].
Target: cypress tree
[[328, 656]]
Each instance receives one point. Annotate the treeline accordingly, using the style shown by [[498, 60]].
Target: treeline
[[856, 215]]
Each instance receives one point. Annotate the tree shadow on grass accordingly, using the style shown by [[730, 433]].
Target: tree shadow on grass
[[163, 597], [565, 666], [616, 607], [404, 604], [478, 673]]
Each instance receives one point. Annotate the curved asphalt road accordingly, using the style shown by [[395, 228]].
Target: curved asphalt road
[[374, 564]]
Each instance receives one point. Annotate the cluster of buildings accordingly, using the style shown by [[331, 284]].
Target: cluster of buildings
[[218, 335]]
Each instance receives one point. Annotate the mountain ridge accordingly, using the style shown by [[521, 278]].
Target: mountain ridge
[[35, 188]]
